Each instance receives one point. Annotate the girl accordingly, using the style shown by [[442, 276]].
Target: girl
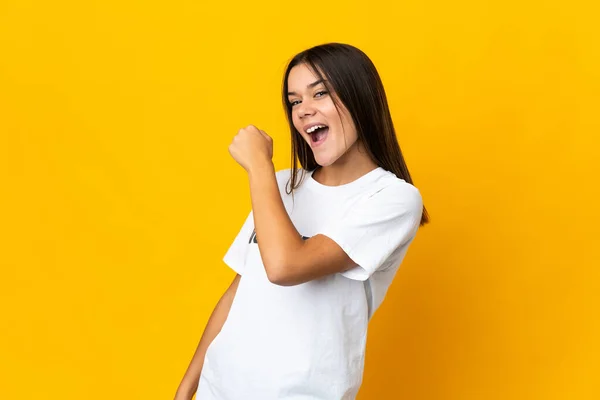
[[321, 245]]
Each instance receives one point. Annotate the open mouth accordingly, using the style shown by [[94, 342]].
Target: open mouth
[[319, 135]]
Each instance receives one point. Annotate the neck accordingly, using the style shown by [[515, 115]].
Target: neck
[[351, 166]]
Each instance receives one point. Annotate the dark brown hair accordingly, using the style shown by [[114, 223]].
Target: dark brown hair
[[352, 76]]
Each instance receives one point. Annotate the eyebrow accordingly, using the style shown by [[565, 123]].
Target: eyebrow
[[309, 86]]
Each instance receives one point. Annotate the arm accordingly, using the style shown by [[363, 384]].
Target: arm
[[189, 383], [288, 259]]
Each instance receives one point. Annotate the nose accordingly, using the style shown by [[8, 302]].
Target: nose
[[305, 109]]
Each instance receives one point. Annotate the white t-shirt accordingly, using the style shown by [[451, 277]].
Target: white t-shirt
[[308, 341]]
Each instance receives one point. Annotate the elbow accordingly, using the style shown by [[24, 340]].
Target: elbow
[[282, 280], [276, 280], [277, 277], [282, 266], [278, 273]]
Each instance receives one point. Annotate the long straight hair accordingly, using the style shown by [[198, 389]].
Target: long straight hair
[[352, 76]]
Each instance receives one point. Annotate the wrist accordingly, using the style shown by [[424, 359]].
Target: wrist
[[262, 167]]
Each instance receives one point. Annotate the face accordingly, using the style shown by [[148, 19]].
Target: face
[[312, 105]]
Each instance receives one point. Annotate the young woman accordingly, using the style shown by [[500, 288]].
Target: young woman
[[321, 245]]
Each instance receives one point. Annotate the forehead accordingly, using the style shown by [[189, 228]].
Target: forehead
[[300, 77]]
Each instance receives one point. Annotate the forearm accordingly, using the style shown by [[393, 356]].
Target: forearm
[[278, 239], [189, 383]]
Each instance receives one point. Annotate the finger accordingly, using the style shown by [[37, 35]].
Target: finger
[[265, 134]]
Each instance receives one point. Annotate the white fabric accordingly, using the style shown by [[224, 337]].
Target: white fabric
[[308, 341]]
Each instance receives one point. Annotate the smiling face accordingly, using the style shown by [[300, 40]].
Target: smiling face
[[312, 106]]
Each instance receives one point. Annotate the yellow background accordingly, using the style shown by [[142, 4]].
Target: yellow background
[[119, 198]]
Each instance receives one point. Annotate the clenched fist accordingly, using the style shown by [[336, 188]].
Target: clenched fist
[[251, 147]]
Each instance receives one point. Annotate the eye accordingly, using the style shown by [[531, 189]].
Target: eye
[[321, 92]]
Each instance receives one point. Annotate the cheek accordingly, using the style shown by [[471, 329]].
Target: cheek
[[296, 123], [331, 113], [349, 127]]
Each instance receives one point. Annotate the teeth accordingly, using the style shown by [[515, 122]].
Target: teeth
[[314, 128]]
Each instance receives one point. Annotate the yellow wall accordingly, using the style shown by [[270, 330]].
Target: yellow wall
[[119, 198]]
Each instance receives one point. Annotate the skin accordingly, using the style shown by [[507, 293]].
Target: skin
[[288, 259]]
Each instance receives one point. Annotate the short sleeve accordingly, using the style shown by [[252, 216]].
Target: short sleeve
[[235, 257], [372, 230]]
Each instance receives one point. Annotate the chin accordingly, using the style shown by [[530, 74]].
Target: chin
[[324, 161]]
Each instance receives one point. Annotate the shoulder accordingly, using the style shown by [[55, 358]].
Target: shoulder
[[392, 191], [284, 175]]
